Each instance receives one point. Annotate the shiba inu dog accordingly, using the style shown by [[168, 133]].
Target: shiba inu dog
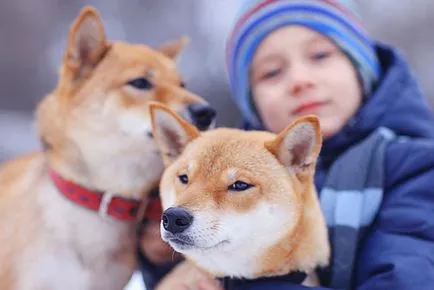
[[67, 214], [242, 204]]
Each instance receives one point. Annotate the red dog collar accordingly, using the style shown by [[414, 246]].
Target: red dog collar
[[107, 203]]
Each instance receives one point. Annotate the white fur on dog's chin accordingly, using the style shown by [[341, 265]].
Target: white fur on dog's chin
[[106, 142], [245, 237], [135, 125], [105, 156], [134, 122]]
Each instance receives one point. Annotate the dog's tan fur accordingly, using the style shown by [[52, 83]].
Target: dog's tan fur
[[272, 228], [95, 130]]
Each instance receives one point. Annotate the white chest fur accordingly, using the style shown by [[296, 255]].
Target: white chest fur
[[75, 248]]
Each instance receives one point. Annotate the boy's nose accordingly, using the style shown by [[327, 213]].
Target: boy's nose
[[176, 220], [202, 115], [301, 79]]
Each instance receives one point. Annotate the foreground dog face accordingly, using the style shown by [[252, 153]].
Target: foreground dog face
[[99, 109], [231, 196]]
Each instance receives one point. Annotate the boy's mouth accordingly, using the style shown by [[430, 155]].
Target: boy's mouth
[[309, 107]]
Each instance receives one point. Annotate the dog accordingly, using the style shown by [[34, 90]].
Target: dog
[[242, 205], [68, 213]]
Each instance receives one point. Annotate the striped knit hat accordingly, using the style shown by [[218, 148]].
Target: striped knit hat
[[336, 19]]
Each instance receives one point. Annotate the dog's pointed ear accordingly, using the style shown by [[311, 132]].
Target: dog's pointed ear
[[297, 146], [87, 42], [171, 132], [174, 48]]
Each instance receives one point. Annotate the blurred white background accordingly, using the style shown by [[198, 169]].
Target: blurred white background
[[33, 35]]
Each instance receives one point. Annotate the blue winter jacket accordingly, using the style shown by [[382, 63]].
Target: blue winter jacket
[[398, 251]]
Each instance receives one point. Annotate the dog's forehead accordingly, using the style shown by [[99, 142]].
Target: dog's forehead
[[142, 56], [229, 150]]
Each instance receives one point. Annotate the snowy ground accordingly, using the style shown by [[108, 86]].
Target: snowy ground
[[136, 283]]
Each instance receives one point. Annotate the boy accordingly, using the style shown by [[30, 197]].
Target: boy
[[289, 58]]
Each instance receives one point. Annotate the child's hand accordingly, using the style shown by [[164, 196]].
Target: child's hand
[[186, 276], [209, 285], [154, 248]]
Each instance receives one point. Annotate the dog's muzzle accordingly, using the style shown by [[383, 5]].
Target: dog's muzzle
[[176, 220], [202, 115]]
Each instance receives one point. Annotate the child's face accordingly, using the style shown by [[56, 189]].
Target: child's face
[[297, 71]]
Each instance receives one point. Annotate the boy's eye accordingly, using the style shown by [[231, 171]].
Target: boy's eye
[[271, 73], [239, 186], [321, 55], [183, 178], [141, 83]]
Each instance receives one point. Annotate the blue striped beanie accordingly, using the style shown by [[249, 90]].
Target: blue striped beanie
[[336, 19]]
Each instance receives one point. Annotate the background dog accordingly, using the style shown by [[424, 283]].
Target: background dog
[[67, 214]]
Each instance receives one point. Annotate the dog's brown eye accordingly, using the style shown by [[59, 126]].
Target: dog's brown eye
[[239, 186], [141, 84], [183, 178], [182, 84]]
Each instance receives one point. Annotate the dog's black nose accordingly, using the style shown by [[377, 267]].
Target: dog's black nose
[[176, 219], [202, 115]]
